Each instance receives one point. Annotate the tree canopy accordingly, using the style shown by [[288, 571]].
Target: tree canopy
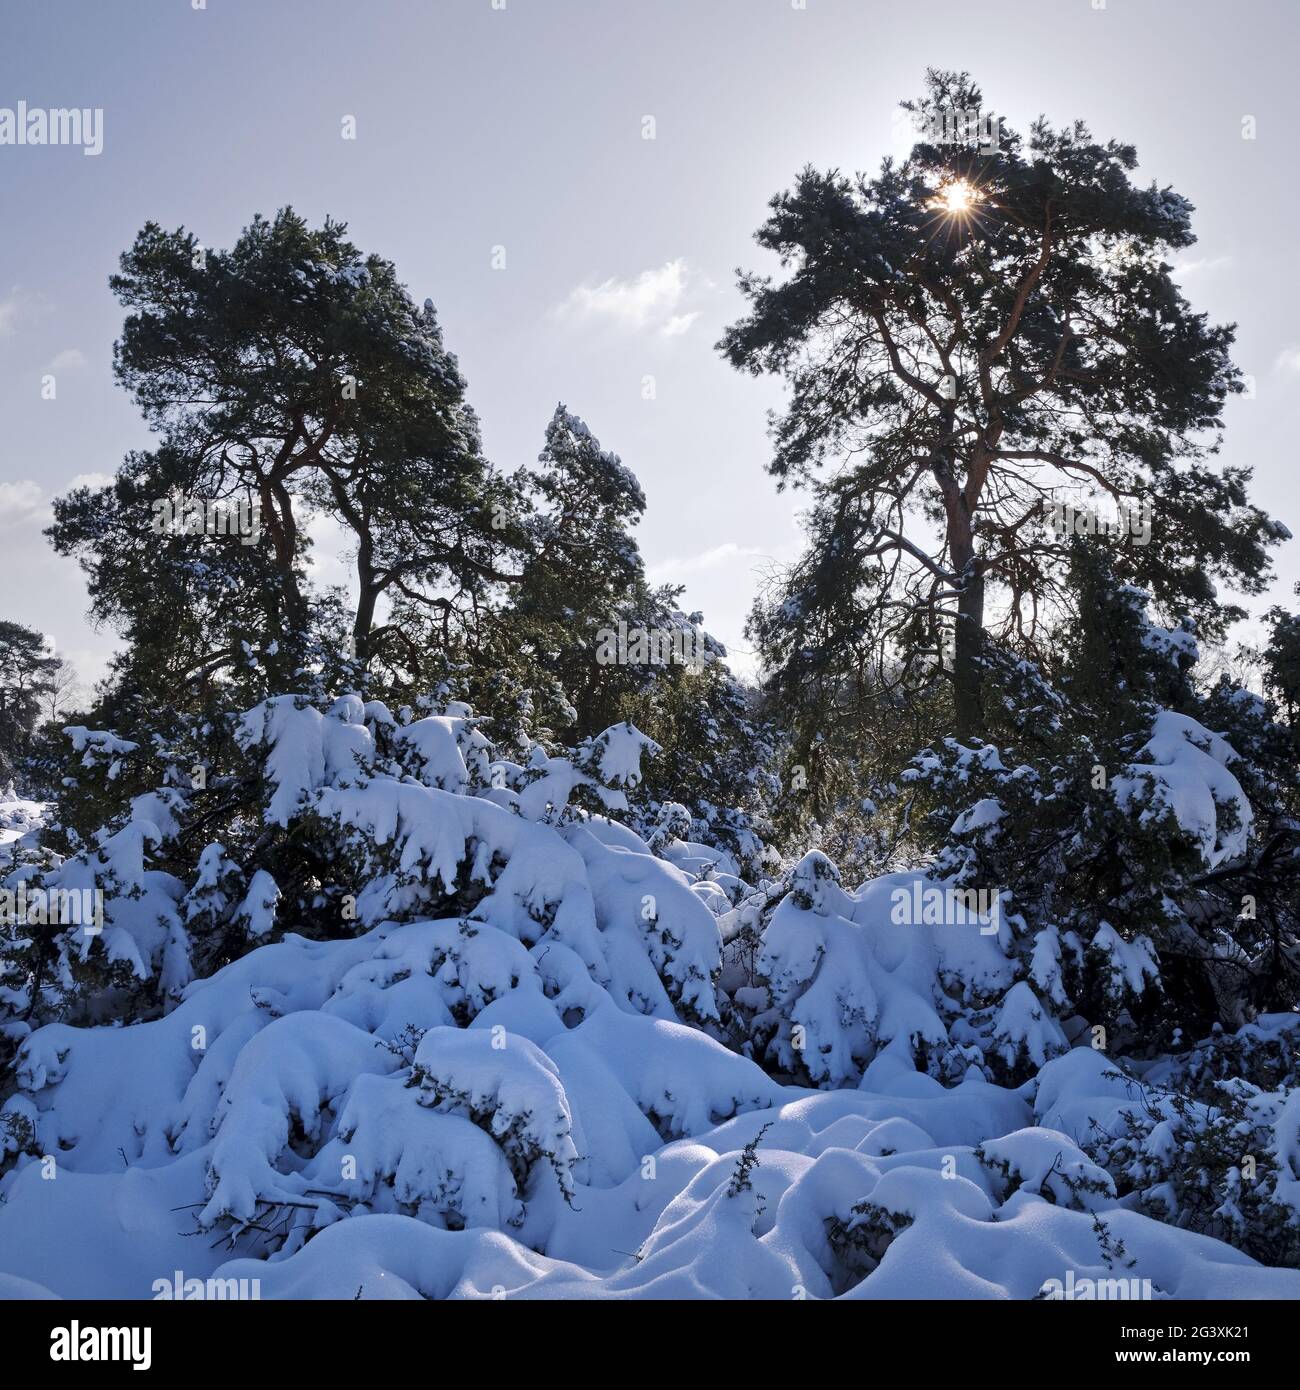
[[970, 336]]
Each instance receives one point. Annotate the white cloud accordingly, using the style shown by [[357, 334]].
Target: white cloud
[[706, 560], [1288, 360], [25, 503], [329, 561], [1184, 268], [19, 306], [653, 299], [52, 595], [91, 480], [69, 357], [18, 501], [679, 324]]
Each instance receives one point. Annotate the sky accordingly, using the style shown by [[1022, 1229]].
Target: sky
[[501, 160]]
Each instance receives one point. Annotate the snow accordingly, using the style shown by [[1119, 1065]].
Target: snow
[[490, 1161], [1047, 1163], [257, 912], [534, 1093], [305, 748], [1185, 771], [981, 816], [18, 816]]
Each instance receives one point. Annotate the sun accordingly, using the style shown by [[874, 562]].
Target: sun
[[957, 198]]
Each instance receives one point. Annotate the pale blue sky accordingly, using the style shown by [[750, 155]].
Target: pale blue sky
[[522, 128]]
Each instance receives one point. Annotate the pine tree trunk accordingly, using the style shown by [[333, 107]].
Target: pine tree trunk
[[968, 646], [967, 669], [364, 621], [967, 665], [367, 590], [277, 513]]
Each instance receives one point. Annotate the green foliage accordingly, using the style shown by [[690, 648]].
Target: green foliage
[[1120, 920], [295, 376], [27, 669]]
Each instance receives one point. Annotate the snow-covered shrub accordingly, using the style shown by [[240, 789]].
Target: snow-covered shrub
[[825, 981], [413, 1015], [1216, 1156], [454, 1106], [1107, 825], [1048, 1164], [1264, 1052], [342, 816], [511, 1091], [860, 1243]]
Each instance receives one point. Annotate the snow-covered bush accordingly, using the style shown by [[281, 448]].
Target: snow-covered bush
[[1117, 831], [1205, 1153], [414, 1016]]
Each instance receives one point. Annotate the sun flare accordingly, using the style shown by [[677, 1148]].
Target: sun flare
[[957, 198]]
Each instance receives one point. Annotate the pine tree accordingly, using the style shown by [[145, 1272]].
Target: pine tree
[[292, 377], [984, 330], [27, 671]]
